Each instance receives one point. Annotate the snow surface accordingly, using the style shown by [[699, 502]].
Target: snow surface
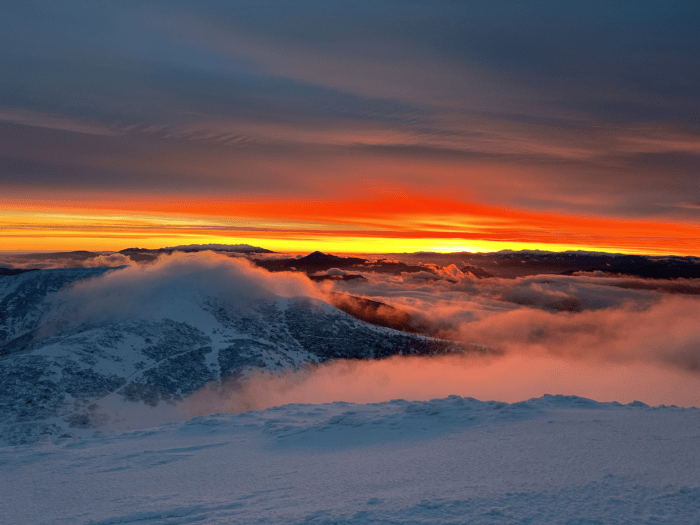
[[553, 459]]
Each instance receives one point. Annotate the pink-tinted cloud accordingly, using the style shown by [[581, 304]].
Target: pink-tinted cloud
[[511, 378], [618, 344], [581, 317]]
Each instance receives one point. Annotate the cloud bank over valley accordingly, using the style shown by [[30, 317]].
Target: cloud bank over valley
[[607, 336]]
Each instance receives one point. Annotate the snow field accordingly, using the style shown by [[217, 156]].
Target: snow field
[[457, 460]]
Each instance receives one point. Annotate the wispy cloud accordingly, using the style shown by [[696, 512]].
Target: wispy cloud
[[27, 117]]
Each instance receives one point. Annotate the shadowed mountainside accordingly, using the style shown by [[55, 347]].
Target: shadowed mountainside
[[56, 367]]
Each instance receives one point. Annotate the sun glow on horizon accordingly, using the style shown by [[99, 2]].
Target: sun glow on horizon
[[380, 225]]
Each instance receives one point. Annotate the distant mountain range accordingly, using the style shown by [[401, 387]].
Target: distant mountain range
[[319, 262], [89, 258], [146, 254], [506, 264], [503, 264], [566, 263]]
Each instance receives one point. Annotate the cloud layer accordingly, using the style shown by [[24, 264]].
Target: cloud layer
[[162, 288], [510, 378], [582, 317], [583, 335], [590, 318], [607, 338]]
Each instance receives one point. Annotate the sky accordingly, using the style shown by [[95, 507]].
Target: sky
[[383, 126]]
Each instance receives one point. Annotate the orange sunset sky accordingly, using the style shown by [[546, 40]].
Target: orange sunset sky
[[351, 127]]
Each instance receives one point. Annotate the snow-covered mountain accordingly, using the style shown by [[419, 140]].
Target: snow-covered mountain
[[73, 341]]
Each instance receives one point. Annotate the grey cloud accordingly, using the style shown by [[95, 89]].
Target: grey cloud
[[133, 161], [543, 90], [562, 55]]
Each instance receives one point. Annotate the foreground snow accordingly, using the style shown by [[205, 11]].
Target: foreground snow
[[549, 460]]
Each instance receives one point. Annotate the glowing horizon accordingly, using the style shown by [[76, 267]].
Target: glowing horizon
[[351, 226]]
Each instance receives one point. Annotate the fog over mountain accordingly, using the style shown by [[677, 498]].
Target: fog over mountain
[[80, 344], [157, 333]]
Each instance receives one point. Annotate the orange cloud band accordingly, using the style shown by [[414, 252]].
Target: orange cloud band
[[380, 224]]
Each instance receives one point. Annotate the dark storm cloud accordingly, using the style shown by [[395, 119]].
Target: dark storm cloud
[[639, 55], [549, 88]]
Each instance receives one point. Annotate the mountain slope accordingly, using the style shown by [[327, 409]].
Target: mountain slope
[[71, 338]]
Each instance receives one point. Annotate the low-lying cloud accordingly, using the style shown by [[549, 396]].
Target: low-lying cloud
[[157, 289], [584, 317], [511, 378], [64, 260], [609, 338]]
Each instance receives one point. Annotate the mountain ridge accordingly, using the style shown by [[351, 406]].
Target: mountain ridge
[[57, 365]]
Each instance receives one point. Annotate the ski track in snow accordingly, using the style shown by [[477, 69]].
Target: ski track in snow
[[554, 459]]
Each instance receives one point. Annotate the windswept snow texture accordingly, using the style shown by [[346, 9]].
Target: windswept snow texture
[[554, 459], [65, 357]]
